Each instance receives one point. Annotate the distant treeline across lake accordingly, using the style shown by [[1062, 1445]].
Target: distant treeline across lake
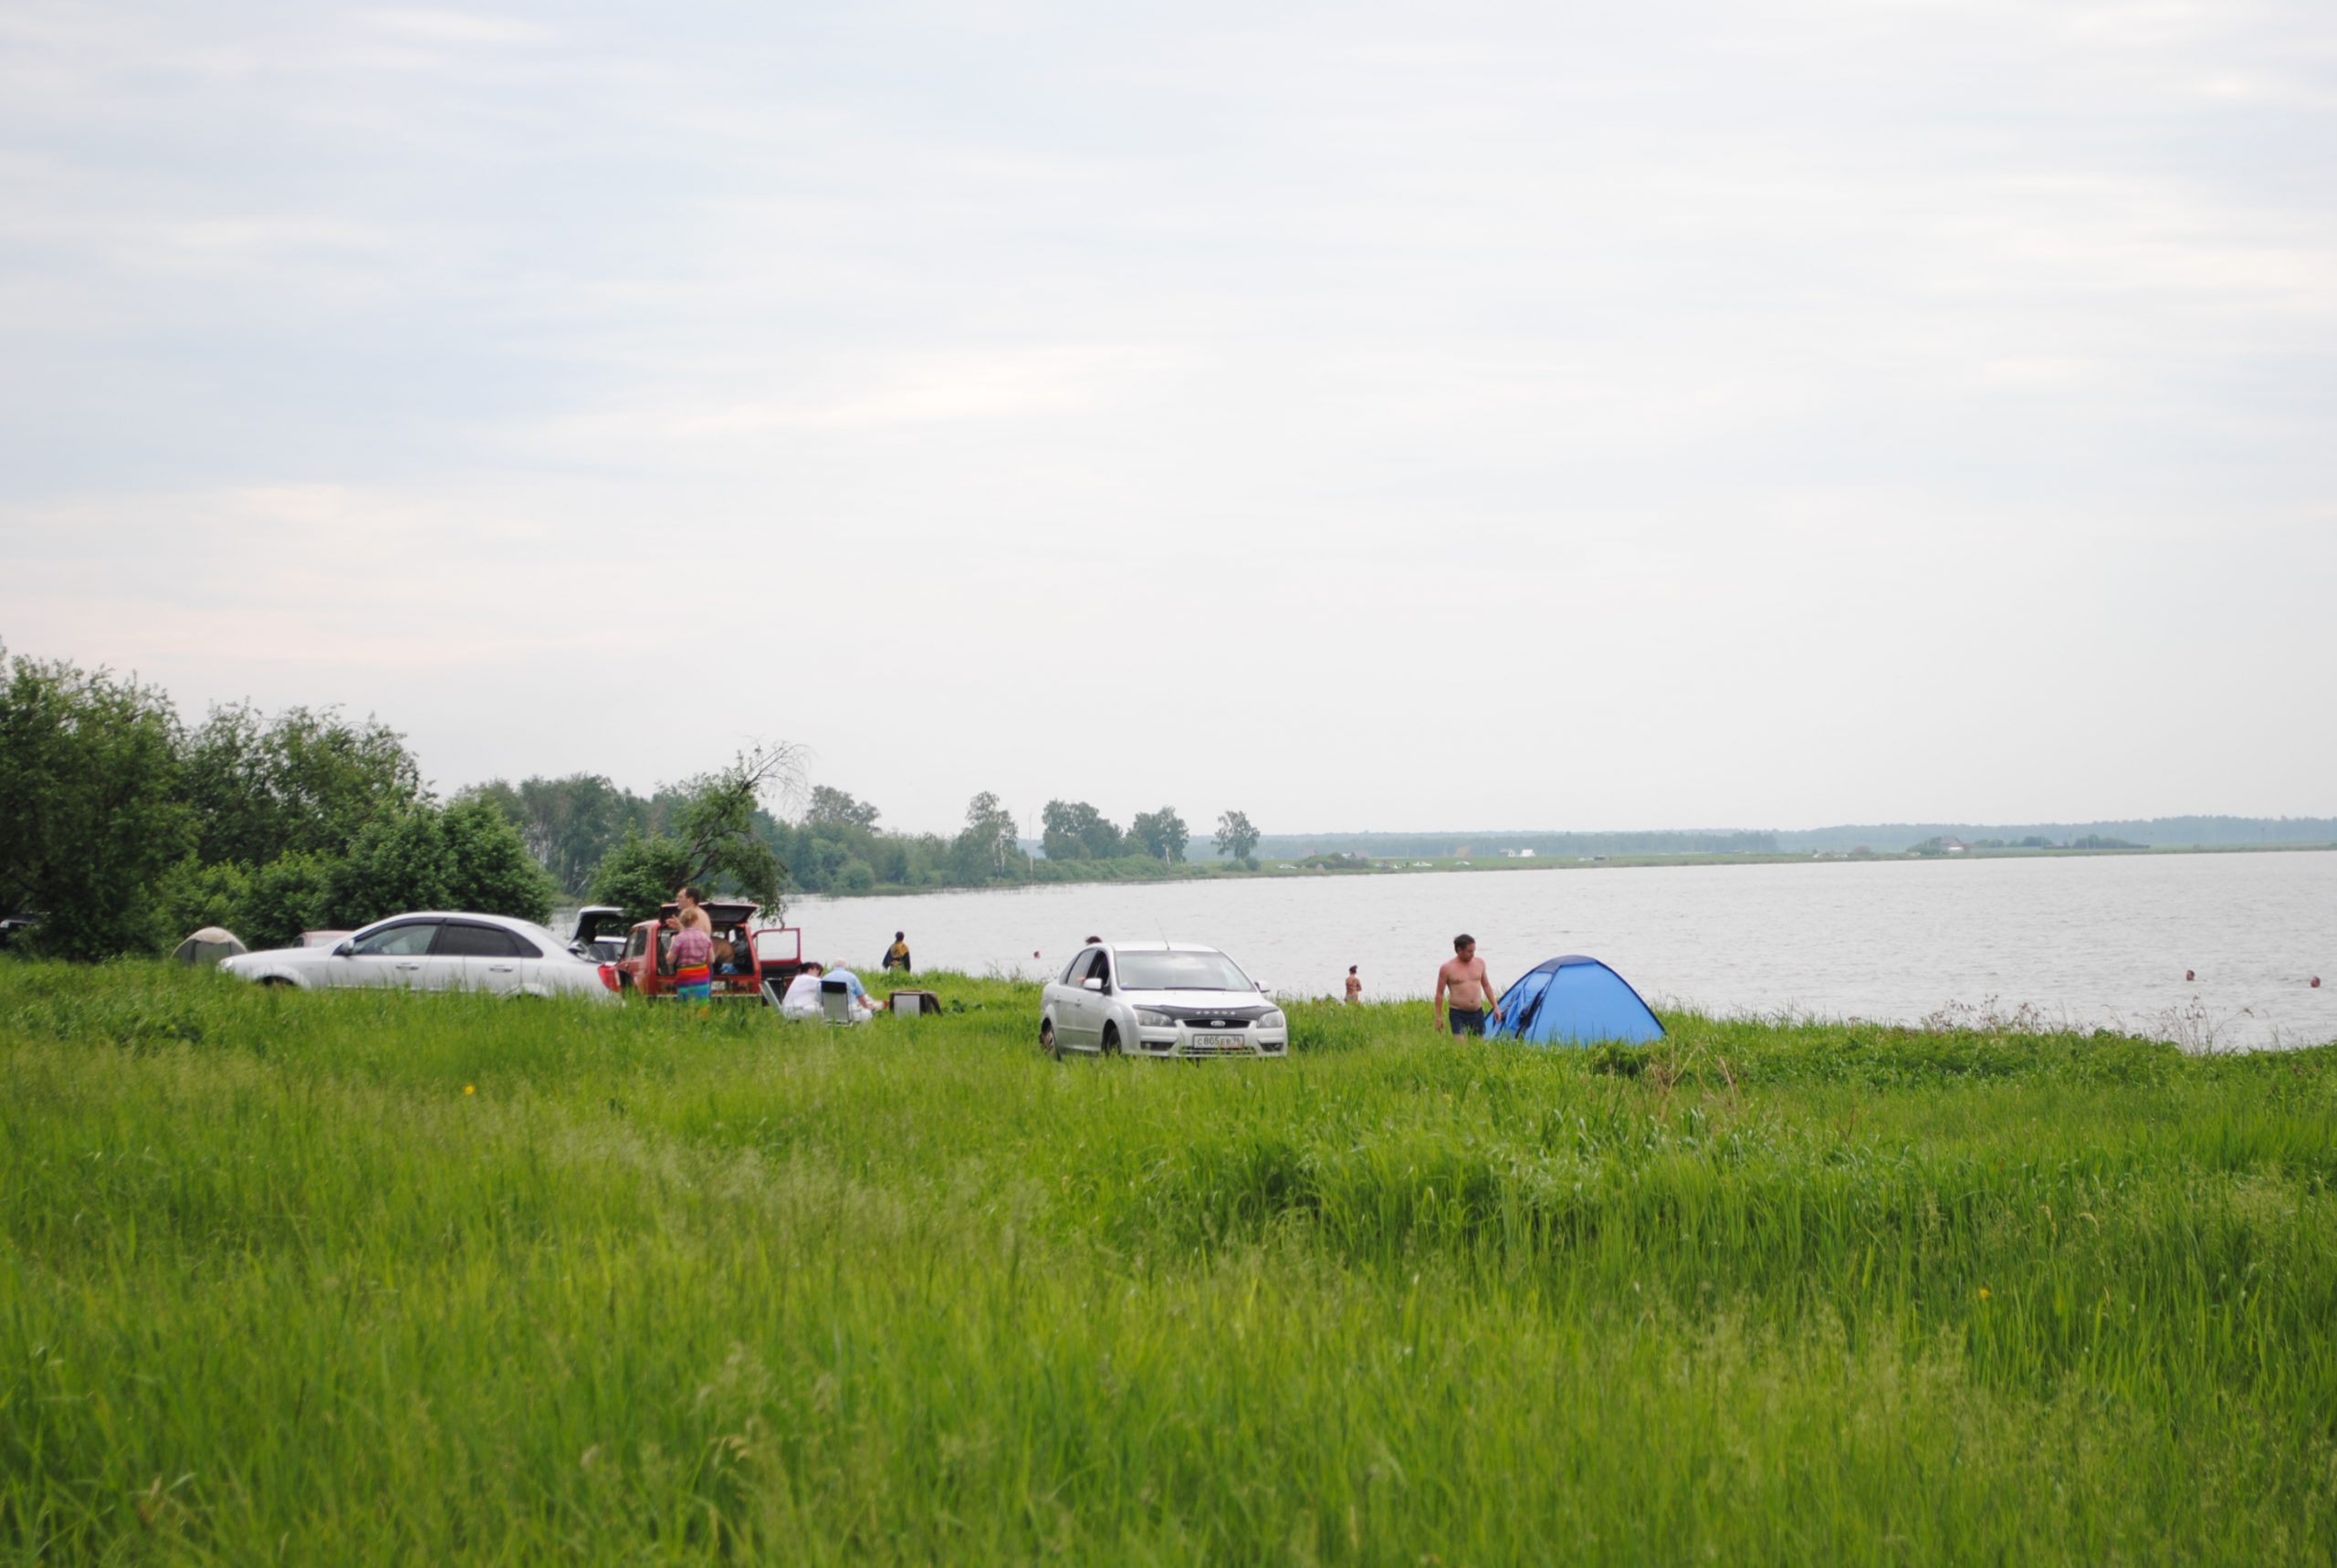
[[1882, 838]]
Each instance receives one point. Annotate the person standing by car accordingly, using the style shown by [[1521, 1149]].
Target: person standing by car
[[692, 950], [1462, 979], [897, 957]]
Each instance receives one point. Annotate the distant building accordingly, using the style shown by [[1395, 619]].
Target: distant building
[[1517, 854], [1949, 844]]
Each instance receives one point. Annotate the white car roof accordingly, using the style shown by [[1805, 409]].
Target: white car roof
[[527, 928], [1159, 947], [512, 922]]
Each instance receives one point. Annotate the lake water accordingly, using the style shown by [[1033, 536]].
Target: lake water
[[2097, 941]]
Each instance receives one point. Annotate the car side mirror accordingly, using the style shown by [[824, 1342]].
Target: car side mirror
[[344, 947], [1092, 983]]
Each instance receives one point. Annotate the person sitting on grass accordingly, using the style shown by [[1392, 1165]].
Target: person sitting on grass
[[802, 997]]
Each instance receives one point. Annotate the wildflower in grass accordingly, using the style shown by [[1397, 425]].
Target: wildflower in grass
[[1984, 1292], [472, 1089]]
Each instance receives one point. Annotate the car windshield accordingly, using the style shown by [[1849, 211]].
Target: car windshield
[[1201, 971]]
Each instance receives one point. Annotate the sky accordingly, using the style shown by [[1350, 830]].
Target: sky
[[1365, 416]]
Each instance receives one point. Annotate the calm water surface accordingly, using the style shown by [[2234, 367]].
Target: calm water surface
[[2086, 942]]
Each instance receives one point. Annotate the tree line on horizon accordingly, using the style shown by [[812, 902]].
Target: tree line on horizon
[[1889, 838], [836, 843], [127, 826]]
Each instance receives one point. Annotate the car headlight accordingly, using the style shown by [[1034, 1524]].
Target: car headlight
[[1273, 1020], [1151, 1019]]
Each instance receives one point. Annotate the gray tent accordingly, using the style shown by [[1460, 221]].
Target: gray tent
[[209, 945]]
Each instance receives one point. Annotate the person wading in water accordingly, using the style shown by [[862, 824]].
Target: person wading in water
[[1462, 979]]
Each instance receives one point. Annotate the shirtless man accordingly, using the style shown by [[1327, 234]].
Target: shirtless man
[[1355, 985], [1462, 978]]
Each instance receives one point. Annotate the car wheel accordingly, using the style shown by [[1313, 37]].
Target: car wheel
[[1111, 1039], [276, 983], [1048, 1042]]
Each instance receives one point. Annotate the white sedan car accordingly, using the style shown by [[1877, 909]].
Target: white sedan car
[[434, 952], [1158, 999]]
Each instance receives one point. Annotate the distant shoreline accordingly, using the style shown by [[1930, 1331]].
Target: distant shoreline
[[1273, 869]]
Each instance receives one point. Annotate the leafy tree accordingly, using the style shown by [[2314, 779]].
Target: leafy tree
[[1162, 833], [717, 835], [268, 907], [93, 820], [307, 781], [836, 808], [641, 874], [1235, 836], [194, 895], [287, 896], [989, 848], [467, 856], [489, 868], [568, 823], [1074, 830]]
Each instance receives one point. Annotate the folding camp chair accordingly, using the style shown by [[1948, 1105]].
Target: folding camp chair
[[835, 1001]]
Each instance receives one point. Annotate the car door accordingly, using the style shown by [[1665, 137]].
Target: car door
[[393, 955], [1098, 1004], [1071, 1000], [476, 956]]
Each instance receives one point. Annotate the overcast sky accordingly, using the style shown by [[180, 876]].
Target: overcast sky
[[1367, 416]]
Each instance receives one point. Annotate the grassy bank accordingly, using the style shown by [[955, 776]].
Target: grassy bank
[[349, 1278]]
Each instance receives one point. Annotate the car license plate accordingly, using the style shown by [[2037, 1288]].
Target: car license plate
[[1221, 1041]]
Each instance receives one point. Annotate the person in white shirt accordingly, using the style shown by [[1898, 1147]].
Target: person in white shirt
[[802, 997]]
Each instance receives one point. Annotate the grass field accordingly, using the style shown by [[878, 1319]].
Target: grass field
[[326, 1279]]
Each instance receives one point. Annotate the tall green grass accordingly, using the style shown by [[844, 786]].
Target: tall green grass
[[375, 1277]]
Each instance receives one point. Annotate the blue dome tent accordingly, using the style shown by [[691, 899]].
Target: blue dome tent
[[1573, 1000]]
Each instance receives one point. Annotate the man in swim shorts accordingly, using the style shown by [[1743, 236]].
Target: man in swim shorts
[[1462, 979]]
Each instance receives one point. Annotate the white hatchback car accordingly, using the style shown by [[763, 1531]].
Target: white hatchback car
[[434, 952], [1158, 999]]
